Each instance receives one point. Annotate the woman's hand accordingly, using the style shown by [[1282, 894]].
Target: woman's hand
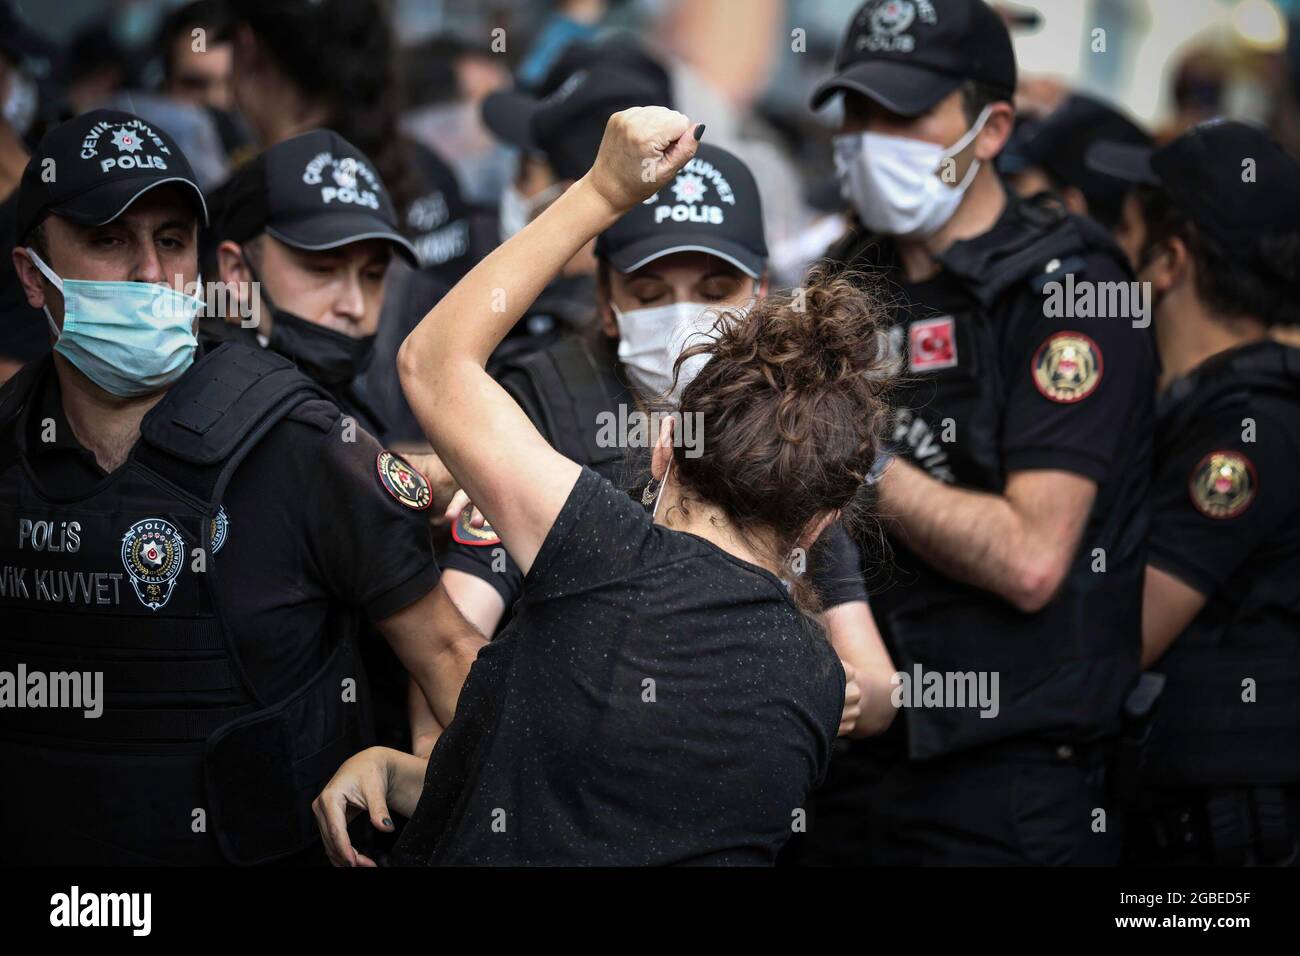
[[361, 784], [643, 148]]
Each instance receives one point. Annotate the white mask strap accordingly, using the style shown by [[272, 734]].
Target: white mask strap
[[970, 134], [54, 280], [663, 485], [45, 270]]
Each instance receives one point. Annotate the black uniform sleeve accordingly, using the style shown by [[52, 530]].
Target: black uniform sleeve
[[1071, 380], [835, 568], [371, 549], [1217, 498]]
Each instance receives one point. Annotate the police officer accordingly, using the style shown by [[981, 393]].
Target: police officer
[[191, 542], [1220, 211], [306, 236], [664, 270], [557, 129], [1048, 156], [1020, 470]]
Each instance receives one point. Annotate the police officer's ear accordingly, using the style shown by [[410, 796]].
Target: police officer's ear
[[1166, 265], [234, 271], [31, 278], [996, 131], [1074, 200], [605, 295]]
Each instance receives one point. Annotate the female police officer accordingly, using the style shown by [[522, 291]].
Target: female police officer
[[657, 698]]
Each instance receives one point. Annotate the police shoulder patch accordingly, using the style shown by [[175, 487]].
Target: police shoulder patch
[[465, 533], [218, 529], [403, 482], [1067, 367], [1223, 484]]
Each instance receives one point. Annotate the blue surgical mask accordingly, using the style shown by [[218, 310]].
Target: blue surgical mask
[[129, 338]]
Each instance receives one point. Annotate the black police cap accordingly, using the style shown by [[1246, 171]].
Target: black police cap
[[1058, 144], [907, 55], [1232, 179], [90, 169], [712, 205], [314, 191], [564, 118]]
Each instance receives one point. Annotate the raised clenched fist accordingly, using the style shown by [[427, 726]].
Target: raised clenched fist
[[642, 149]]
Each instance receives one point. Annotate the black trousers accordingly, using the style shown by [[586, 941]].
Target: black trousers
[[1018, 804]]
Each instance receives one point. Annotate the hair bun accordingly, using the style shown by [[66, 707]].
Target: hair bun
[[792, 403]]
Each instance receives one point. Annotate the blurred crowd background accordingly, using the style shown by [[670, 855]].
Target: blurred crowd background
[[404, 80]]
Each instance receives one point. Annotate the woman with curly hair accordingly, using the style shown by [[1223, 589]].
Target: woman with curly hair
[[661, 696]]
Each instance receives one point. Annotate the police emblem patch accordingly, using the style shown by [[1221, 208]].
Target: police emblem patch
[[465, 533], [1223, 484], [153, 553], [220, 527], [403, 482], [1067, 367]]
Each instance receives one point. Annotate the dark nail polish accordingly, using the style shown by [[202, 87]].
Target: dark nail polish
[[387, 822], [699, 131]]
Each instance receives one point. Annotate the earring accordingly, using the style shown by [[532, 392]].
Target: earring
[[651, 492]]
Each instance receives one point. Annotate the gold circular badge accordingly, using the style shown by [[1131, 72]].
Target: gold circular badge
[[1067, 367], [1223, 484], [465, 533], [403, 482]]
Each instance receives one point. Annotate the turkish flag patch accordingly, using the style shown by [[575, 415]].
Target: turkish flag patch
[[932, 344]]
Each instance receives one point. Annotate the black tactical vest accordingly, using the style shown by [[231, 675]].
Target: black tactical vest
[[573, 390], [1063, 672], [1205, 735], [352, 398], [185, 763]]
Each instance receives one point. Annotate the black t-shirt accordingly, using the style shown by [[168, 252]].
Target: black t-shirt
[[654, 701], [1036, 425], [1226, 511], [834, 564], [349, 397], [311, 535]]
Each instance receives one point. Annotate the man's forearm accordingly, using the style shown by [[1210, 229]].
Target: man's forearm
[[971, 536]]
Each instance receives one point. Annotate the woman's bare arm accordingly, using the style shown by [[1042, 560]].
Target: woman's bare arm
[[486, 441]]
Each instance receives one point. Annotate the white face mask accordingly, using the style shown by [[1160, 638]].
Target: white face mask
[[649, 341], [518, 210], [894, 184]]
